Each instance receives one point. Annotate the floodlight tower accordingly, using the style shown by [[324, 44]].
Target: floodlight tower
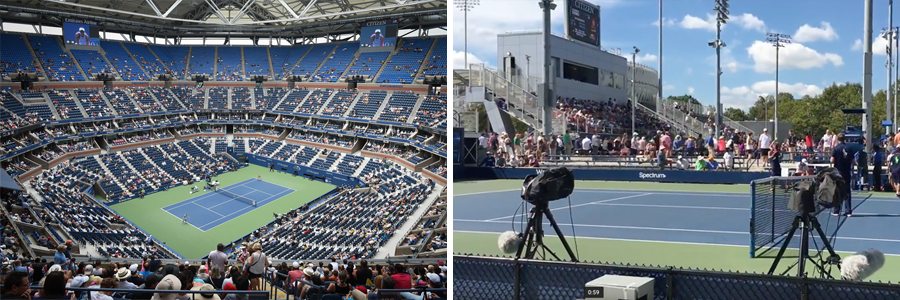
[[777, 40], [547, 6], [465, 6], [721, 9], [888, 34]]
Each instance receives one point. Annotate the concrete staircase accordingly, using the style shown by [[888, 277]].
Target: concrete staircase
[[147, 157], [34, 56], [115, 179], [69, 53], [352, 104], [383, 105], [271, 67], [230, 93], [327, 57], [108, 103], [288, 72], [425, 61], [133, 169], [137, 61], [415, 110], [362, 166], [77, 103]]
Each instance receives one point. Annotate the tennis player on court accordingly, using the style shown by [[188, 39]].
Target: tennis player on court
[[894, 171], [259, 177], [184, 219]]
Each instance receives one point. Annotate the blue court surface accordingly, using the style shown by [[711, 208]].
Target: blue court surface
[[212, 209], [675, 217]]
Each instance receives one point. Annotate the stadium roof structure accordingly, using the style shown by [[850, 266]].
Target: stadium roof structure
[[185, 18]]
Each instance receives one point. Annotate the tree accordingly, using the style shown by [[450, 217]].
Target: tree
[[736, 114], [815, 114], [684, 99]]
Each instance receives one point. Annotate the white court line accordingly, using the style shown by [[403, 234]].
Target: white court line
[[188, 201], [673, 206], [874, 198], [216, 220], [229, 201], [583, 204], [189, 223], [650, 241], [671, 229]]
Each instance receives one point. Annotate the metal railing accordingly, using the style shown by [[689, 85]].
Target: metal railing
[[508, 278]]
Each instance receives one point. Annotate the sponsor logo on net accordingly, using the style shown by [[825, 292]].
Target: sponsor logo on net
[[643, 175]]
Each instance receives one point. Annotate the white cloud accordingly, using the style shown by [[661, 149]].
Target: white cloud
[[690, 90], [646, 58], [744, 97], [459, 59], [791, 56], [485, 21], [749, 22], [857, 45], [879, 46], [808, 34], [692, 22], [666, 22]]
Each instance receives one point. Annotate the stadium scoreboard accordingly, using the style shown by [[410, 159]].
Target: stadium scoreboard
[[583, 22], [81, 32], [381, 33]]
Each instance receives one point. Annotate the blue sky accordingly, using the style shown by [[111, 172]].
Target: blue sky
[[827, 38]]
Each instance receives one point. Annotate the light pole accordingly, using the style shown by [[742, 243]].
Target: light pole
[[633, 73], [528, 73], [465, 6], [777, 40], [721, 9], [659, 62], [887, 33], [867, 74], [547, 6]]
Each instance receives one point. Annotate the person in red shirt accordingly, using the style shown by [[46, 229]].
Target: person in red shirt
[[293, 275], [402, 280]]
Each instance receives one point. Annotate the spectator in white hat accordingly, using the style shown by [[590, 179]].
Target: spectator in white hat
[[168, 283], [122, 276]]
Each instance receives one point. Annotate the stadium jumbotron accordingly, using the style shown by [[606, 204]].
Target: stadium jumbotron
[[293, 134]]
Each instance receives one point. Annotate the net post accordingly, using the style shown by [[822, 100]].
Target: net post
[[753, 219], [772, 209]]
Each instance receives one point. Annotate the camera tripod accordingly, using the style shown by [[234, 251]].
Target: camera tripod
[[534, 234], [807, 222]]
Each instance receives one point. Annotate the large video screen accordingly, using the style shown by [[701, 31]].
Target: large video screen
[[81, 34], [583, 22], [378, 34]]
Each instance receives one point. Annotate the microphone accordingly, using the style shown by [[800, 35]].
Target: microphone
[[861, 265], [509, 242]]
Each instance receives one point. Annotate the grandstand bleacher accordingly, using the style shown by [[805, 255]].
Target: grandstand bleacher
[[93, 146]]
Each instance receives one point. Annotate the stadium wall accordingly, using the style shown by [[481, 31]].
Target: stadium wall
[[642, 175], [612, 68]]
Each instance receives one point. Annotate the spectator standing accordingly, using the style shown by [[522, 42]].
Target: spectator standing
[[765, 144], [217, 258], [402, 280], [256, 265]]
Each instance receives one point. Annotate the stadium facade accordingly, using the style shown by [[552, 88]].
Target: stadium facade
[[578, 70]]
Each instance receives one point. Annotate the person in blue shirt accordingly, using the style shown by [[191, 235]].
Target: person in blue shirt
[[877, 163], [60, 258], [842, 160]]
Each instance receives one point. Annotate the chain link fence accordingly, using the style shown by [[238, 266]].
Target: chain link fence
[[477, 277]]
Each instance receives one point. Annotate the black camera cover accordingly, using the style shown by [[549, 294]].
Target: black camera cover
[[549, 185]]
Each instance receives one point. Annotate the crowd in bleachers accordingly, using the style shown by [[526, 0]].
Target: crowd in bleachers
[[76, 146]]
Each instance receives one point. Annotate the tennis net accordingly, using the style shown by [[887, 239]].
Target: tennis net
[[770, 217], [235, 197]]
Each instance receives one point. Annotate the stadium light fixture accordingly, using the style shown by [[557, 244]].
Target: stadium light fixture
[[548, 102], [778, 41], [465, 6]]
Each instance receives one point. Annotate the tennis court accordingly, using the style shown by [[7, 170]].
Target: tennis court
[[192, 242], [212, 209], [705, 226]]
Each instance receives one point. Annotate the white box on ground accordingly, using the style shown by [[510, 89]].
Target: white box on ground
[[615, 287]]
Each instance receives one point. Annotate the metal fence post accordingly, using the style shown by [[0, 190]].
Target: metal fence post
[[804, 288], [516, 281], [670, 283]]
